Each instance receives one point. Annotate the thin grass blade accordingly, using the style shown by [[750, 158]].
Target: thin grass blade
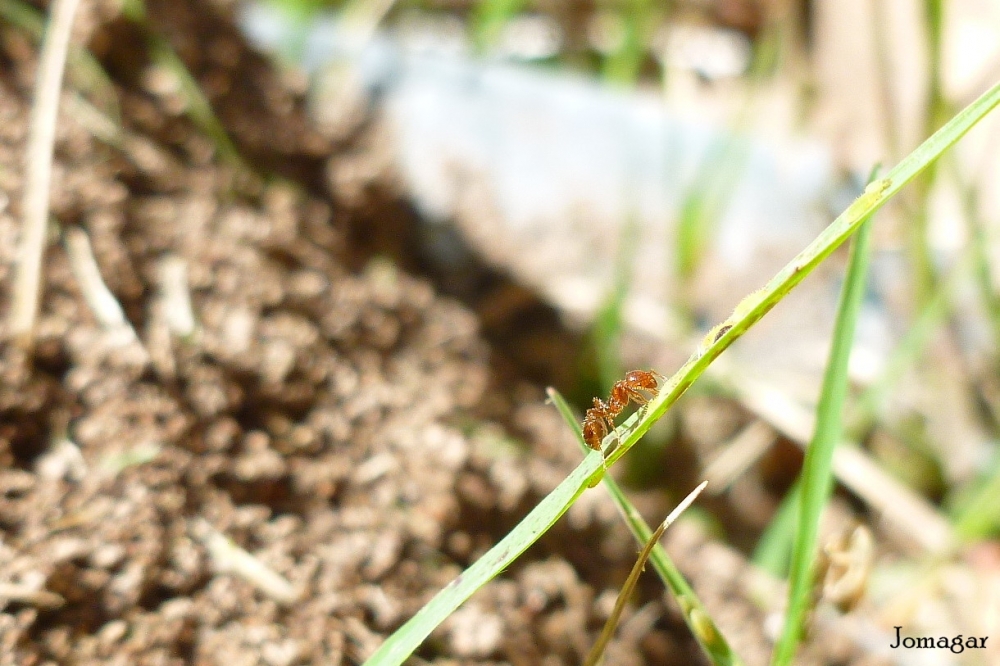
[[640, 564], [774, 548], [817, 471]]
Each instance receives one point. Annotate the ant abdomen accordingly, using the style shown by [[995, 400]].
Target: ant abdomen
[[594, 431]]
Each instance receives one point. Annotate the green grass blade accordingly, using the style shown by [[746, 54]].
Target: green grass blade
[[979, 516], [774, 548], [817, 470], [698, 620], [402, 643]]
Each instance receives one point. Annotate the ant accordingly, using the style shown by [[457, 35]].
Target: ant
[[639, 385]]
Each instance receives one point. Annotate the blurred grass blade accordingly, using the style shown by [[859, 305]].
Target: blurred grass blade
[[707, 199], [489, 19], [984, 268], [640, 564], [931, 317], [774, 548], [84, 71], [979, 516], [199, 109], [924, 277], [698, 620], [817, 470], [407, 638], [637, 19]]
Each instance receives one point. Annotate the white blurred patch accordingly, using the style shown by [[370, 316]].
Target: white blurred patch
[[530, 37], [710, 51]]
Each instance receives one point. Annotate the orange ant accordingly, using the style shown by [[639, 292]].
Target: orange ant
[[639, 385]]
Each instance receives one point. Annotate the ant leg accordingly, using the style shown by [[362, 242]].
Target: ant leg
[[618, 439], [643, 401]]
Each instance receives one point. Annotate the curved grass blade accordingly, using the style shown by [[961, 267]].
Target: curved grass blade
[[633, 577], [401, 644]]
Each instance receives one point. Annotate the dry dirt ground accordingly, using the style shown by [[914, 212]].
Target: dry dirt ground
[[330, 414]]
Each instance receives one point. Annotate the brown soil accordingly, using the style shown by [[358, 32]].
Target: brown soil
[[331, 414]]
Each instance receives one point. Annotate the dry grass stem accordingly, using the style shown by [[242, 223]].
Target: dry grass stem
[[176, 296], [912, 514], [113, 464], [38, 167], [227, 557], [608, 631], [102, 302], [25, 594], [739, 455]]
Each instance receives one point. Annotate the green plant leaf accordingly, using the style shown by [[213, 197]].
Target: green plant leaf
[[816, 480]]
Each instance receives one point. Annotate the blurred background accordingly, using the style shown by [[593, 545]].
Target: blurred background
[[642, 166], [639, 166], [409, 217]]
